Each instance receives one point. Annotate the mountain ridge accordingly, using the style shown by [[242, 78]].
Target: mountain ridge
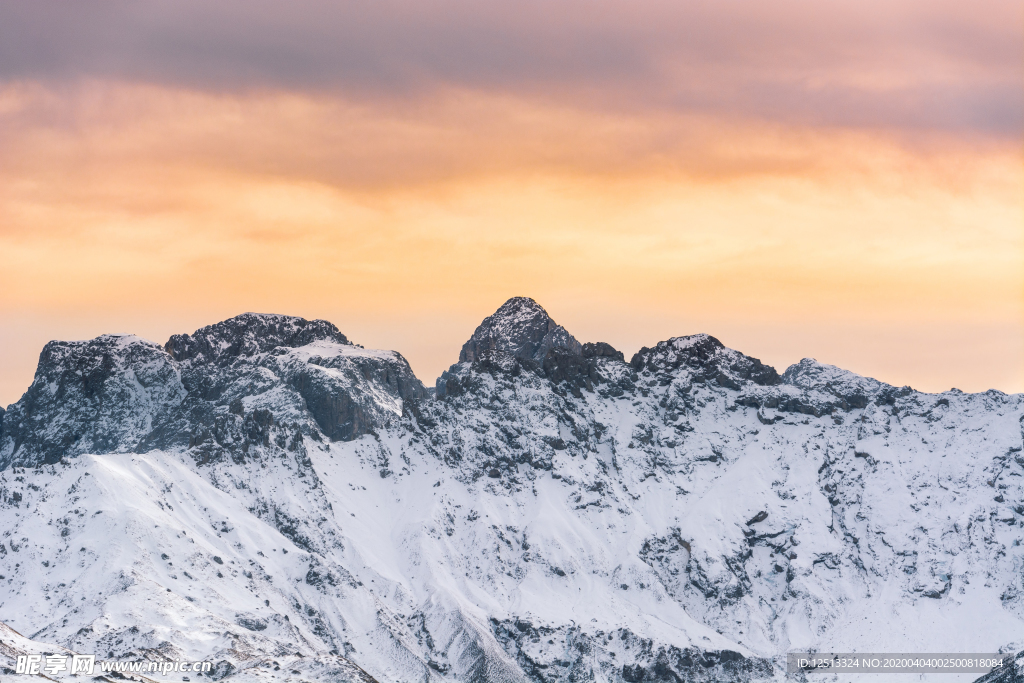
[[274, 491]]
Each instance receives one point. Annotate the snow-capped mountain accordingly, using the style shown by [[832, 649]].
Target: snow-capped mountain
[[265, 495]]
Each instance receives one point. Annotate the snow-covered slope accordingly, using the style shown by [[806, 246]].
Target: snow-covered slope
[[272, 498]]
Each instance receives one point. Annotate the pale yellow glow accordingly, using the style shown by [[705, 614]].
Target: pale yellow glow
[[408, 222]]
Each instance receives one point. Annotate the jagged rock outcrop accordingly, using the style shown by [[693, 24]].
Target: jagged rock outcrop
[[343, 391], [1012, 672], [814, 388], [704, 358], [250, 334], [324, 388], [522, 337], [522, 328], [246, 381], [97, 396]]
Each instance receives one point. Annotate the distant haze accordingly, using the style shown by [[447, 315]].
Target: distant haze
[[835, 180]]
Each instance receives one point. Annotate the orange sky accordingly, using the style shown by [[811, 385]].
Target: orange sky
[[847, 186]]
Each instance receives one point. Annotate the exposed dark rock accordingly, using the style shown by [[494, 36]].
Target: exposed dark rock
[[668, 556], [522, 328], [1011, 672], [813, 388], [220, 391], [707, 359], [584, 654], [251, 622], [759, 517], [509, 430], [601, 350], [521, 337], [495, 363], [249, 334], [221, 669], [851, 390], [97, 396], [777, 398], [340, 402], [578, 372], [334, 389]]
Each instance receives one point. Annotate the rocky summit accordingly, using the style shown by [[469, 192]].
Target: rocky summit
[[520, 328], [271, 498]]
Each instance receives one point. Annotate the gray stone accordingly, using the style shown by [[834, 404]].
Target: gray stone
[[522, 328], [97, 396]]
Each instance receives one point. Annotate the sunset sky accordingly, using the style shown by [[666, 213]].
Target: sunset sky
[[837, 180]]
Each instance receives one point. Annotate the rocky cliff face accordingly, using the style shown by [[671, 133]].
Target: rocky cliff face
[[270, 491], [248, 335], [98, 396], [215, 392], [521, 328], [1013, 672]]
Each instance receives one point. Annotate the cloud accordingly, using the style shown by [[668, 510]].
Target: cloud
[[119, 195], [910, 64]]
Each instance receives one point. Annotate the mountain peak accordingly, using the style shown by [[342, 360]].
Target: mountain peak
[[251, 333], [522, 328], [708, 357], [92, 396]]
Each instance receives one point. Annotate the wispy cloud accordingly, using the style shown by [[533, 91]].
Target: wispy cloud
[[915, 63]]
